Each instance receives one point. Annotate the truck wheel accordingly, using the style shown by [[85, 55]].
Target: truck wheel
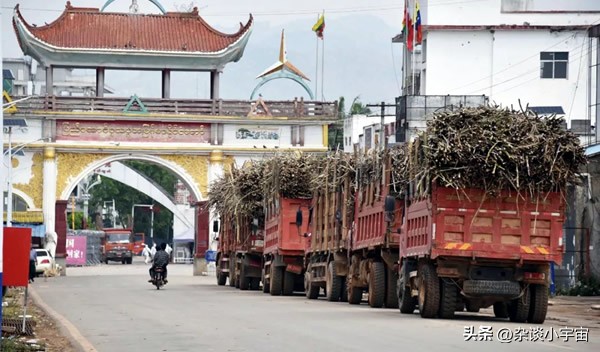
[[406, 302], [539, 304], [288, 283], [311, 291], [448, 299], [276, 280], [106, 261], [244, 280], [254, 284], [123, 261], [429, 291], [472, 307], [344, 294], [518, 309], [391, 297], [232, 276], [333, 283], [501, 310], [354, 293], [221, 278], [376, 285], [129, 260], [265, 283]]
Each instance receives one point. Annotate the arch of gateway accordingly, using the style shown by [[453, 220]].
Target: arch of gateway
[[66, 137]]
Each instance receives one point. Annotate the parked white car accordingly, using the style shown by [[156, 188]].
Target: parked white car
[[44, 261]]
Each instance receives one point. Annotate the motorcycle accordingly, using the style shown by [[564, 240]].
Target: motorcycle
[[158, 279]]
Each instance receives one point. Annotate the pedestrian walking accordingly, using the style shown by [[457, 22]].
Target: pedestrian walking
[[32, 263], [146, 254]]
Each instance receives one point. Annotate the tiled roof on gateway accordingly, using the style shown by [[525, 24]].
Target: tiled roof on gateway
[[88, 28]]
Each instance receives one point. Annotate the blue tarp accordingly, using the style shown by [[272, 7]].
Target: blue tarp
[[36, 230]]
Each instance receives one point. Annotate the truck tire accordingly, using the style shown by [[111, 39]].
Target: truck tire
[[311, 291], [244, 280], [354, 293], [333, 284], [106, 261], [501, 310], [344, 290], [254, 283], [391, 297], [376, 285], [221, 278], [518, 309], [472, 307], [123, 261], [539, 304], [406, 302], [129, 260], [288, 283], [265, 283], [491, 288], [276, 280], [232, 275], [429, 291], [449, 292]]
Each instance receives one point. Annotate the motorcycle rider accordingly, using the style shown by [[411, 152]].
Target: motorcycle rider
[[160, 259]]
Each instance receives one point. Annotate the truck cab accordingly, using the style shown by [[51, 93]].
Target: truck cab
[[118, 246]]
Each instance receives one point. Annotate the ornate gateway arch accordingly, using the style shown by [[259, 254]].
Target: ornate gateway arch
[[194, 138]]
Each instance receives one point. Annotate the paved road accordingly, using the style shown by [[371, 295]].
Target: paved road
[[116, 309]]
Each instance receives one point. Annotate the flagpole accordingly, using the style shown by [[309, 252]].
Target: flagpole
[[317, 69], [405, 53], [323, 65], [412, 69]]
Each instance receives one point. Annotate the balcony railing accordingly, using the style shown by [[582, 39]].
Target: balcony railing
[[240, 108]]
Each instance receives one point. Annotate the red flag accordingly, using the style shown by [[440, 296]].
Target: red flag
[[410, 34]]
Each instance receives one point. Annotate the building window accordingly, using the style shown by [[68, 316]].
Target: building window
[[554, 64]]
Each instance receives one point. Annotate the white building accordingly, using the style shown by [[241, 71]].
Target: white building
[[363, 131], [538, 52]]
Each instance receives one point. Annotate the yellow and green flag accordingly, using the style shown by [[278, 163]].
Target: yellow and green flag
[[319, 26]]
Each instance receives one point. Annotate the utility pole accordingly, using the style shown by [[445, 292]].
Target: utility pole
[[383, 105]]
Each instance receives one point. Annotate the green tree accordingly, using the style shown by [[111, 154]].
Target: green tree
[[358, 108], [125, 197]]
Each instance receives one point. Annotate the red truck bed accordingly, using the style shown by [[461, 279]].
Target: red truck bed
[[504, 227], [370, 225], [232, 241], [281, 234]]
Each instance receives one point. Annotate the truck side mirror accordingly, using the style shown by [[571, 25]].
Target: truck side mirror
[[389, 206], [215, 226], [299, 218]]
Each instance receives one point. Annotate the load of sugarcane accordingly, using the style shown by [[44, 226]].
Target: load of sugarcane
[[239, 191], [289, 175], [494, 149]]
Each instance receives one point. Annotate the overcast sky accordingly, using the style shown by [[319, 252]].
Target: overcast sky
[[357, 39]]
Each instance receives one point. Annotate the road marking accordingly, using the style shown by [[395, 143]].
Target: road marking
[[74, 334]]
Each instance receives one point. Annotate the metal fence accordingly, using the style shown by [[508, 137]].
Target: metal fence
[[93, 244]]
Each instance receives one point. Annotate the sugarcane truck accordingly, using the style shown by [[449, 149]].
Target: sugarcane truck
[[354, 249], [463, 249], [284, 247], [239, 252]]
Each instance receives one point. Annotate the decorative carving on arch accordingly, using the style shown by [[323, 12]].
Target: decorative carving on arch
[[35, 187], [72, 167]]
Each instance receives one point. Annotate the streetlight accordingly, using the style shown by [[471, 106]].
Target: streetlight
[[151, 206]]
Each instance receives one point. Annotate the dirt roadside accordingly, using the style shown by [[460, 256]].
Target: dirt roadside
[[47, 331], [574, 310]]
